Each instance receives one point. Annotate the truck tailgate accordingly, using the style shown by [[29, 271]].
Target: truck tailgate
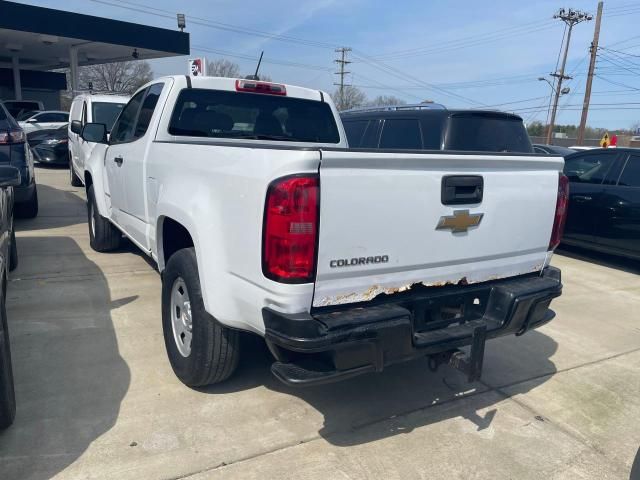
[[379, 212]]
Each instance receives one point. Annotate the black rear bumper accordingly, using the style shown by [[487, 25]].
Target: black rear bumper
[[330, 344]]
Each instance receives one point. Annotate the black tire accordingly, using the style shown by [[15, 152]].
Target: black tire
[[13, 252], [73, 178], [103, 236], [7, 392], [214, 349], [28, 209]]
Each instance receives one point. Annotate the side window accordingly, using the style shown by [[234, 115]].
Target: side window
[[123, 129], [84, 113], [588, 168], [371, 135], [52, 117], [631, 174], [146, 112], [355, 130], [401, 134]]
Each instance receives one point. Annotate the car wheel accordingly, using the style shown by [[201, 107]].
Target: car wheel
[[73, 178], [28, 209], [201, 351], [13, 252], [103, 235], [7, 392]]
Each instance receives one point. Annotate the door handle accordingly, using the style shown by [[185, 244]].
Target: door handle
[[118, 160], [582, 198]]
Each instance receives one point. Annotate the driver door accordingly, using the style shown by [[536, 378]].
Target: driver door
[[122, 135], [586, 172]]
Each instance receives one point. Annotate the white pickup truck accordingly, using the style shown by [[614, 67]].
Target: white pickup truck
[[262, 220]]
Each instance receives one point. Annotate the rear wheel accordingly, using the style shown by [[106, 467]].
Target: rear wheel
[[103, 236], [28, 209], [13, 252], [73, 178], [201, 351], [7, 392]]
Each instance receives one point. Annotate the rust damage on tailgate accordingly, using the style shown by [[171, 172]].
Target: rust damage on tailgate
[[376, 290]]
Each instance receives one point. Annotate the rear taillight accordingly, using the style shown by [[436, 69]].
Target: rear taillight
[[562, 206], [254, 86], [291, 229], [12, 136]]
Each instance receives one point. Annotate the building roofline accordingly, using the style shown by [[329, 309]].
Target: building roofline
[[49, 21]]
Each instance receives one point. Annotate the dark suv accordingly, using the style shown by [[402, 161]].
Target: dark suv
[[433, 127], [604, 200], [15, 152]]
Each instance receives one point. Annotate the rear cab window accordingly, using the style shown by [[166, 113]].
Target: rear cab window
[[237, 115]]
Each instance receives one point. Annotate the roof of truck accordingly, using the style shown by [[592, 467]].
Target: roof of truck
[[105, 98], [229, 84]]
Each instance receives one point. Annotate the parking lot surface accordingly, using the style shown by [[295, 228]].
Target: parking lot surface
[[97, 398]]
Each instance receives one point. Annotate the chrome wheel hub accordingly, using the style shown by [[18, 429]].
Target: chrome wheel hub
[[181, 316]]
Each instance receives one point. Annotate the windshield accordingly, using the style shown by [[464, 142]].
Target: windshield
[[106, 113], [487, 132], [223, 114]]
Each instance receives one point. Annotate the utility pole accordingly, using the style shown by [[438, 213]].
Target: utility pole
[[571, 17], [592, 67], [342, 62]]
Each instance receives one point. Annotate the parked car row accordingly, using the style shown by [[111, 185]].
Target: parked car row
[[13, 155]]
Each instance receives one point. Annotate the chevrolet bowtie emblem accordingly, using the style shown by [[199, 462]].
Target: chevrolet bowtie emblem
[[460, 221]]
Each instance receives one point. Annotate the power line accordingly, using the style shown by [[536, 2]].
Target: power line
[[405, 76], [467, 42], [224, 53], [205, 22]]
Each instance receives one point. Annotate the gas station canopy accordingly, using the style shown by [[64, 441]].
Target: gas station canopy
[[42, 39]]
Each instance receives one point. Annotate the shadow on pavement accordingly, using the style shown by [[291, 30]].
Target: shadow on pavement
[[70, 377], [351, 405], [56, 209], [628, 265]]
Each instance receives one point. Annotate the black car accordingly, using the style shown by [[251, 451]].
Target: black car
[[9, 177], [433, 127], [15, 151], [50, 146], [552, 150], [604, 200]]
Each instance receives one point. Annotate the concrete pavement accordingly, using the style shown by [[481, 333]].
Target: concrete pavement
[[97, 397]]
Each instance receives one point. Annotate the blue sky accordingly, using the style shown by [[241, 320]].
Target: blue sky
[[474, 53]]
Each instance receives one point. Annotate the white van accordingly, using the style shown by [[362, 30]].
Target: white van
[[87, 108]]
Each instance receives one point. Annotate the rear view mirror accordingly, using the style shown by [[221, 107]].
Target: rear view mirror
[[76, 127], [9, 176], [95, 132]]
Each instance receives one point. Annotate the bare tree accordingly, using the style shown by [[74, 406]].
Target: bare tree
[[118, 77], [351, 97], [222, 67], [384, 100]]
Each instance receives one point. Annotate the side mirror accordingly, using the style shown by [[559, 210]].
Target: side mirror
[[76, 127], [32, 120], [9, 176], [95, 132]]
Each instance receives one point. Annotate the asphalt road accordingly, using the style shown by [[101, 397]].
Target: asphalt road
[[97, 397]]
